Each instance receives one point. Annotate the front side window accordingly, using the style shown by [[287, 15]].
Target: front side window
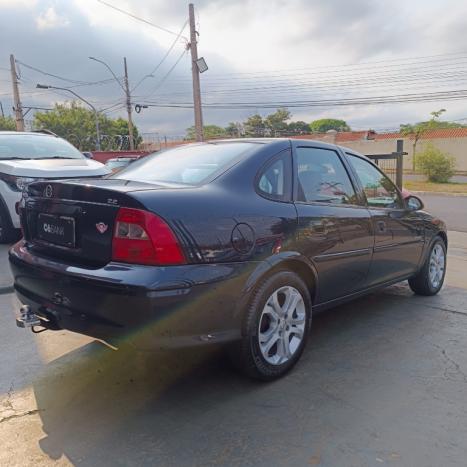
[[322, 177], [380, 192], [274, 179]]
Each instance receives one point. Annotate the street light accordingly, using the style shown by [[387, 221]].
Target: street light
[[126, 90], [96, 116], [110, 69]]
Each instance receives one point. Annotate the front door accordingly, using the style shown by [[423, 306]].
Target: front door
[[335, 230], [399, 233]]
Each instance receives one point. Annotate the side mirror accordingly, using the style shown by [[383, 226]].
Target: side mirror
[[414, 203]]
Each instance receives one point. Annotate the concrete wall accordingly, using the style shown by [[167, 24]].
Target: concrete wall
[[457, 147]]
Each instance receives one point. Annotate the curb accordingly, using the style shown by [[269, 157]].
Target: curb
[[438, 193], [6, 289]]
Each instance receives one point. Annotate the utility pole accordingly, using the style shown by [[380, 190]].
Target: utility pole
[[17, 108], [128, 106], [195, 73]]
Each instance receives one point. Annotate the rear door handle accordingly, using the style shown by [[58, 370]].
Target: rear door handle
[[381, 226]]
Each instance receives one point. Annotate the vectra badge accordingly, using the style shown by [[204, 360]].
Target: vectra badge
[[48, 192], [101, 227]]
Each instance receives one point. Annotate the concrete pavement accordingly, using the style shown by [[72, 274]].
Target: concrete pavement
[[382, 382]]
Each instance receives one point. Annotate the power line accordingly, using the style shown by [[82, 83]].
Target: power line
[[161, 82], [49, 74], [391, 99], [350, 73], [164, 57], [326, 68], [137, 18], [76, 83]]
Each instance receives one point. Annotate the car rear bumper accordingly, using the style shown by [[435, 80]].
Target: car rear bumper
[[149, 306]]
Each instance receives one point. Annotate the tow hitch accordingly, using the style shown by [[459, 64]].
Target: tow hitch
[[28, 319]]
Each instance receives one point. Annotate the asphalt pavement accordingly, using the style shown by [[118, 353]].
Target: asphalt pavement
[[382, 382], [452, 209]]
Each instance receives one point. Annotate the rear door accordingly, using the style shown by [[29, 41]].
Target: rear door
[[399, 232], [335, 230]]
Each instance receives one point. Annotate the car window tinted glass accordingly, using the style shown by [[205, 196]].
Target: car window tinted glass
[[190, 164], [274, 179], [322, 177], [38, 146], [379, 190]]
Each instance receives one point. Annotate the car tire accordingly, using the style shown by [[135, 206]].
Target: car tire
[[8, 233], [429, 280], [279, 310]]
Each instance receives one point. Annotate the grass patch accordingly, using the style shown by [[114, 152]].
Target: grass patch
[[453, 187]]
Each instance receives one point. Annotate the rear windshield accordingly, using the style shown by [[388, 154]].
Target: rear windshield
[[192, 164], [23, 146]]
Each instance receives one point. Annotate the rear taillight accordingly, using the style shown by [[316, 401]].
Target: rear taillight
[[141, 237]]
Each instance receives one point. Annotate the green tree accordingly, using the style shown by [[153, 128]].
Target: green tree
[[438, 166], [277, 121], [7, 123], [209, 132], [234, 129], [417, 130], [77, 124], [254, 126], [298, 128], [325, 124]]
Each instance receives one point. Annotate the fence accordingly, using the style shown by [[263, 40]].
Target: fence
[[392, 164]]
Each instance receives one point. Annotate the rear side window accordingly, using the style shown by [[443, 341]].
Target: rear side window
[[193, 164], [274, 180], [322, 178]]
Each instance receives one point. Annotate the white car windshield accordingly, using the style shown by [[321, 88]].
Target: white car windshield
[[27, 146], [192, 164]]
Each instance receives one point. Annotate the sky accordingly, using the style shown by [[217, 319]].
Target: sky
[[258, 52]]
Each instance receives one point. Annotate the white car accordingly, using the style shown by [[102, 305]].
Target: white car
[[27, 157]]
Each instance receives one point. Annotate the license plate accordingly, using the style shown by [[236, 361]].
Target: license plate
[[56, 229]]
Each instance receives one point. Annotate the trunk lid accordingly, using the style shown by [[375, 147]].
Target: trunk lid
[[74, 221]]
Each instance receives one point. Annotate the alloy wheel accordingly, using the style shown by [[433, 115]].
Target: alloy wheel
[[437, 266], [282, 325]]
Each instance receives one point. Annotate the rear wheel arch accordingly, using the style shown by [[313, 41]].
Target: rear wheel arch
[[305, 271], [296, 264]]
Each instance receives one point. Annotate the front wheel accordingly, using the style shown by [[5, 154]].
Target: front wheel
[[275, 329], [430, 278]]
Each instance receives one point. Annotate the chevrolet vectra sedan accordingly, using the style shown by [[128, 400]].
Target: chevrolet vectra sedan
[[232, 242]]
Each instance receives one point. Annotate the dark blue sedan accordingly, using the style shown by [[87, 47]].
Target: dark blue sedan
[[235, 242]]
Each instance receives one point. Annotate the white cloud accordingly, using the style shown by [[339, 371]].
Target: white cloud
[[17, 3], [50, 19]]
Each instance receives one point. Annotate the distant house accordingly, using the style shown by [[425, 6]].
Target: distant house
[[450, 140]]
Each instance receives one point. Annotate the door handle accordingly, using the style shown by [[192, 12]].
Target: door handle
[[381, 226]]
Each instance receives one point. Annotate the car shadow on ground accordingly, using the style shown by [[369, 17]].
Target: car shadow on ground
[[100, 407]]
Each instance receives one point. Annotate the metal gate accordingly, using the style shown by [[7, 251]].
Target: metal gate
[[392, 164]]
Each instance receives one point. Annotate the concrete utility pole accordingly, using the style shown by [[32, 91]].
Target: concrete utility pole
[[18, 107], [126, 90], [128, 107], [195, 73]]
